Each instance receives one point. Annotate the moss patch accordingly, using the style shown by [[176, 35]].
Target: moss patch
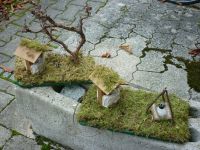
[[107, 76], [58, 69], [193, 75], [33, 44], [129, 115]]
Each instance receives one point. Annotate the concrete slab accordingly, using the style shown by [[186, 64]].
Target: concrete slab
[[52, 115], [5, 134], [21, 143]]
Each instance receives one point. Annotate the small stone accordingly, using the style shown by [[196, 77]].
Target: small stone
[[74, 91]]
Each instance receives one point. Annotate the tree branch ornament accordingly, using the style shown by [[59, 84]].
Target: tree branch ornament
[[48, 25]]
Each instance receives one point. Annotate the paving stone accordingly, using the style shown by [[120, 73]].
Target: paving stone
[[5, 134], [7, 86], [174, 79], [61, 5], [152, 62], [181, 51], [162, 41], [70, 12], [74, 92], [53, 12], [12, 119], [6, 35], [5, 100], [90, 26], [10, 47], [124, 64], [109, 45], [187, 39], [111, 13], [121, 31], [26, 18], [137, 42], [3, 58], [21, 143], [10, 63]]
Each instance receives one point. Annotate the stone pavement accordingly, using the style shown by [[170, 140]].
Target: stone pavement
[[159, 34]]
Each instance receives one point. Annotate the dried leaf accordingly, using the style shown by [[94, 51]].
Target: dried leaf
[[106, 55], [127, 48], [194, 52], [6, 69]]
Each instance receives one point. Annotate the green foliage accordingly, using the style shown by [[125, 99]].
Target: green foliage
[[129, 115], [58, 69], [108, 76], [33, 44]]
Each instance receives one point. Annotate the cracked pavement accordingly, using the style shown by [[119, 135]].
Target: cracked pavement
[[158, 32]]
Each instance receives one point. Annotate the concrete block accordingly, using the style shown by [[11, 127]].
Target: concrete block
[[52, 115]]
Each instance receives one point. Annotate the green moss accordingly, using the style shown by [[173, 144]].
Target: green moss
[[15, 133], [129, 115], [108, 76], [58, 69], [33, 44], [193, 75], [47, 144]]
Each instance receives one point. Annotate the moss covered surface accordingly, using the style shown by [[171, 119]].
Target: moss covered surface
[[109, 78], [58, 69], [129, 116], [193, 75], [33, 44]]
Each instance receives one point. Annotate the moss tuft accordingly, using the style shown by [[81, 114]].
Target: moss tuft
[[108, 77], [58, 69], [129, 115], [33, 44]]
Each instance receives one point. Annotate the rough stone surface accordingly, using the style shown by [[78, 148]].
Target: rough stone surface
[[52, 115], [21, 143], [74, 92], [5, 134], [5, 99]]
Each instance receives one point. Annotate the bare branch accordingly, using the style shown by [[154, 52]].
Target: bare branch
[[48, 25]]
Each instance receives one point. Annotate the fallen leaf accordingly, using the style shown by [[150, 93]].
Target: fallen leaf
[[127, 48], [194, 52], [6, 69], [106, 55]]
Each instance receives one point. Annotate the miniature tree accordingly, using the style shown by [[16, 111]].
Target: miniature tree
[[48, 25]]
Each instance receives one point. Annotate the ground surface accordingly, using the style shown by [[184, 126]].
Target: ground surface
[[159, 34]]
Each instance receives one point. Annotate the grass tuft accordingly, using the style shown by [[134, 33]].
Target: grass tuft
[[129, 115]]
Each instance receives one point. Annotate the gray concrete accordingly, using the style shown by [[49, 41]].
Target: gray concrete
[[142, 24], [5, 134], [21, 143], [74, 92], [52, 115]]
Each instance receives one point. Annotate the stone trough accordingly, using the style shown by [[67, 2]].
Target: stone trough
[[52, 115]]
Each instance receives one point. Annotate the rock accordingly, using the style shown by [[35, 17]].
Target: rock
[[74, 92]]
